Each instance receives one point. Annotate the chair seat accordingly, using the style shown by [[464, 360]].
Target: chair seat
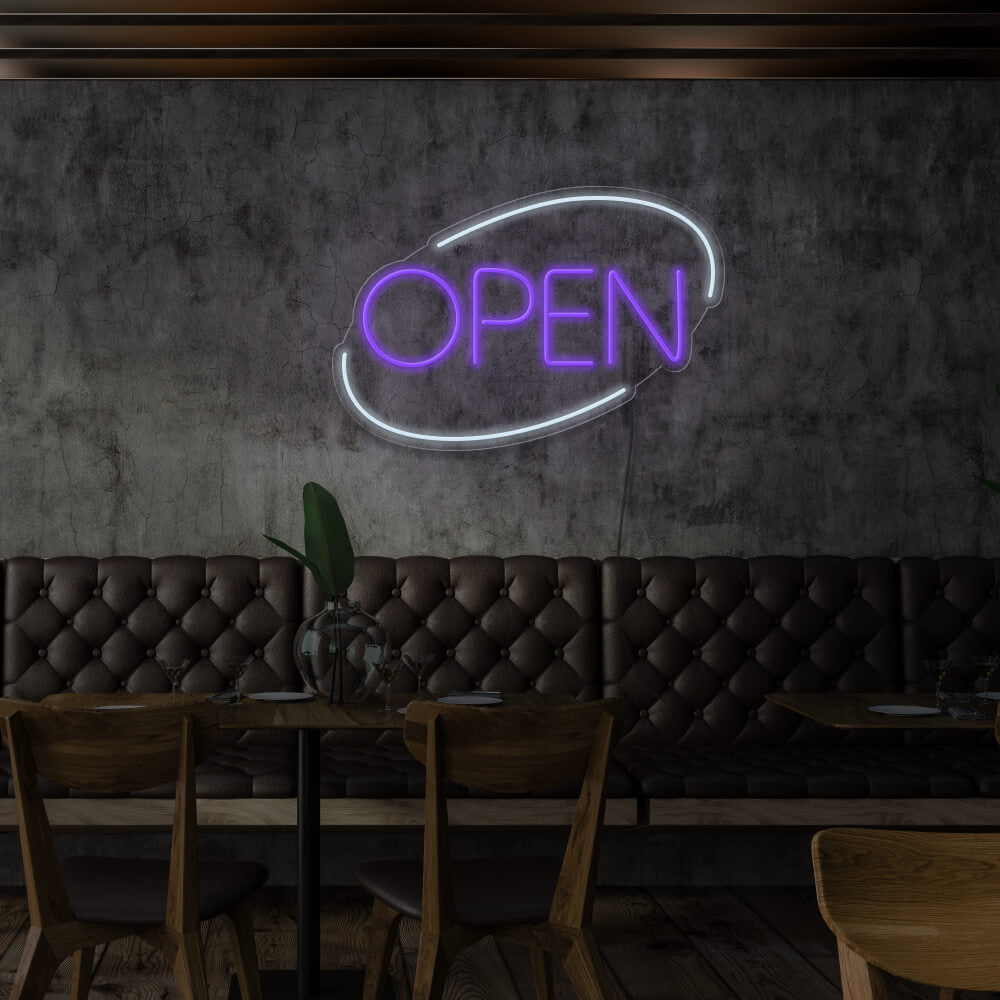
[[134, 891], [487, 891]]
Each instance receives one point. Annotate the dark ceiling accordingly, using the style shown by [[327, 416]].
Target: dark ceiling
[[638, 39]]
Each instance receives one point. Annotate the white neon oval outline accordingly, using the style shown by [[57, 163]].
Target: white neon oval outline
[[469, 438], [615, 198]]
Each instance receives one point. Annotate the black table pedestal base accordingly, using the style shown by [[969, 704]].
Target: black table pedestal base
[[334, 984]]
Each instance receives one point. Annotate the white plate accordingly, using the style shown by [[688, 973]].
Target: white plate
[[471, 699], [904, 710], [281, 696], [105, 708]]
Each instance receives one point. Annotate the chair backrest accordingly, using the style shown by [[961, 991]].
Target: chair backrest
[[509, 749], [922, 906], [111, 751], [117, 751]]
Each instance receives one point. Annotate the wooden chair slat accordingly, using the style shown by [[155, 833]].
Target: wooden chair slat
[[923, 906], [115, 751], [510, 750]]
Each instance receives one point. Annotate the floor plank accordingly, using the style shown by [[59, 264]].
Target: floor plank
[[755, 962]]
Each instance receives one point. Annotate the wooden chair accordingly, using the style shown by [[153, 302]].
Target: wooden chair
[[79, 903], [923, 906], [545, 903]]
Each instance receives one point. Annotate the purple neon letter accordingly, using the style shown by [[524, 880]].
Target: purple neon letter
[[478, 320], [376, 289], [674, 358], [548, 315]]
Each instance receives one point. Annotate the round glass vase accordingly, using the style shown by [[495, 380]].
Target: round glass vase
[[338, 652]]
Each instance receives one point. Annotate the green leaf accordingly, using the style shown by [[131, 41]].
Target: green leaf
[[323, 583], [328, 543], [990, 483]]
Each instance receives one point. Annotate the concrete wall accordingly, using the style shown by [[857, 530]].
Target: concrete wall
[[179, 259]]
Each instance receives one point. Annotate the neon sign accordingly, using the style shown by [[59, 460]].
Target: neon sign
[[479, 316]]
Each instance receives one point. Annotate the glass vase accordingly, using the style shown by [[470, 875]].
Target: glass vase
[[338, 652]]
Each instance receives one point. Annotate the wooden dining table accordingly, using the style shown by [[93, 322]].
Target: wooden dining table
[[852, 710], [310, 719]]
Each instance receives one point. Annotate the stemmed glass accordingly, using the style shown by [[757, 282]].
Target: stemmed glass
[[175, 671], [985, 665], [239, 666], [938, 669], [387, 669], [418, 663]]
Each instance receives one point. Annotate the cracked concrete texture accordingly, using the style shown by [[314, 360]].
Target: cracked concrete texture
[[179, 259]]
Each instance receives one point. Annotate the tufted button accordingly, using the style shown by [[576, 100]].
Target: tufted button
[[642, 654], [697, 713], [968, 621], [69, 684], [670, 684], [696, 653], [748, 592], [939, 592], [695, 592], [531, 622], [151, 592], [205, 591], [531, 684], [69, 622], [803, 592], [831, 622], [395, 654], [124, 621], [259, 592], [558, 654], [42, 653], [643, 713], [123, 684], [43, 592], [752, 714], [668, 621], [97, 591], [751, 653], [504, 591], [232, 622], [806, 653], [777, 622], [859, 652], [259, 653], [96, 653], [151, 654], [204, 654], [177, 622], [557, 592], [504, 653], [450, 592], [857, 591], [641, 592], [475, 621], [450, 653], [395, 591]]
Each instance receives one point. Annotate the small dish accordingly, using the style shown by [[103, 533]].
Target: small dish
[[904, 710], [471, 699], [280, 696]]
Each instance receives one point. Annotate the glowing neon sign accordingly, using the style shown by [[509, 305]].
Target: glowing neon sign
[[442, 318]]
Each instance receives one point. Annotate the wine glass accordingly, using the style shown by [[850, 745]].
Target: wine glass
[[239, 665], [387, 670], [418, 663], [175, 670], [985, 665]]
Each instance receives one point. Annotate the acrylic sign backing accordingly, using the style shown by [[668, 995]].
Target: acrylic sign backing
[[528, 319]]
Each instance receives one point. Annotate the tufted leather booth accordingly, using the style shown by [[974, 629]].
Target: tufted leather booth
[[691, 645]]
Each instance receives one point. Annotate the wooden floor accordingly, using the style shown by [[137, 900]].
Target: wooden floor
[[659, 944]]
